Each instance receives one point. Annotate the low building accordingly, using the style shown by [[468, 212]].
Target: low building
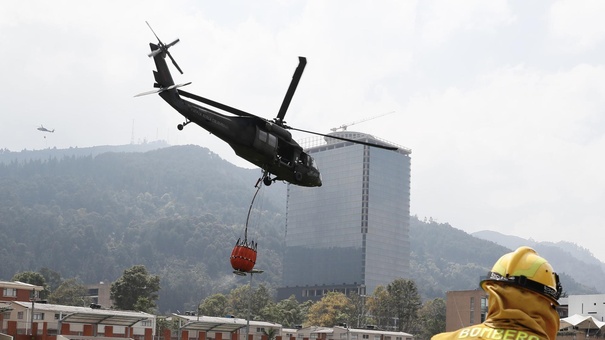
[[314, 333], [11, 291], [48, 321], [216, 328], [588, 305], [100, 293], [18, 291], [344, 333], [219, 328], [465, 308], [23, 316]]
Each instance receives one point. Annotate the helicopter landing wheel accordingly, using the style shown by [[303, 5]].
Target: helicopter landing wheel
[[181, 126], [267, 181]]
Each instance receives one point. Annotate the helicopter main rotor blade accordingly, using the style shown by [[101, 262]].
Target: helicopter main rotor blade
[[218, 105], [152, 31], [302, 62], [386, 147]]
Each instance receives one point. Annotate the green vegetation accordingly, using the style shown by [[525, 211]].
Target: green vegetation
[[136, 290], [177, 211], [71, 292]]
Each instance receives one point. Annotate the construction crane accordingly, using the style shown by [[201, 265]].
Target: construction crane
[[344, 126]]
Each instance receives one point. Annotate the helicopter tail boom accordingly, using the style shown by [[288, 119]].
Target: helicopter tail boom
[[163, 78]]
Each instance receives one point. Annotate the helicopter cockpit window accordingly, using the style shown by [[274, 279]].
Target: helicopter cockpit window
[[268, 138], [272, 140]]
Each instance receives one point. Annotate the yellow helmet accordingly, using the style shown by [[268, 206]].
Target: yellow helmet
[[526, 269]]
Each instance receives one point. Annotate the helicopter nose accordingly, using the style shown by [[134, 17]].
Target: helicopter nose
[[317, 180]]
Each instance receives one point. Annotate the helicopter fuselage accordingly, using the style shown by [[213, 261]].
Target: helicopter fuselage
[[265, 143], [255, 139]]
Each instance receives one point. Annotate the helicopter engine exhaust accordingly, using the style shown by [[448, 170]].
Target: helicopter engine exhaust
[[278, 130]]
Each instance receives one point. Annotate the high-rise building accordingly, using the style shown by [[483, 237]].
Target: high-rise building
[[352, 233]]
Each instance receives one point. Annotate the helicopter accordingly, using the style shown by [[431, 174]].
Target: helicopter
[[43, 129], [266, 143]]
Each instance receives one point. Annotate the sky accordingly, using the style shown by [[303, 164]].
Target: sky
[[501, 102]]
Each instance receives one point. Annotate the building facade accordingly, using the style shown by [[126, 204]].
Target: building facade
[[352, 233], [100, 294], [346, 333], [465, 308], [588, 305]]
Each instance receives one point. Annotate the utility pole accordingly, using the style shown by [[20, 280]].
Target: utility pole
[[251, 272]]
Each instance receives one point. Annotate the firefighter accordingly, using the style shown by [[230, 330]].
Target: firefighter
[[522, 291]]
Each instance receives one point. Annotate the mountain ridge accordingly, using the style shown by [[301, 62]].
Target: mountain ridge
[[512, 242]]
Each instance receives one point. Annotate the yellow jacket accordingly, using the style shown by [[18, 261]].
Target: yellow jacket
[[513, 314]]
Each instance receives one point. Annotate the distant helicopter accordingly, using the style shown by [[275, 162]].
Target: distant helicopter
[[43, 129], [265, 143]]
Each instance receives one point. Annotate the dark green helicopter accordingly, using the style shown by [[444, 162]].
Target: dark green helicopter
[[265, 143]]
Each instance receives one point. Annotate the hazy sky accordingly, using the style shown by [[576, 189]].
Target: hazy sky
[[501, 102]]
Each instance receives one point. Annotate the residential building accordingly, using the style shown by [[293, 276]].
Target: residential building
[[18, 291], [352, 233], [43, 319], [25, 317]]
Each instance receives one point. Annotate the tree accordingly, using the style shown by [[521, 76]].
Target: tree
[[214, 305], [34, 279], [287, 312], [379, 309], [71, 292], [432, 318], [135, 290], [395, 306], [239, 300], [333, 309], [261, 298], [405, 302], [52, 278], [360, 309], [271, 333]]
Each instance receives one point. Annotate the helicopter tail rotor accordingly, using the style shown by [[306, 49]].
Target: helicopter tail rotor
[[163, 48]]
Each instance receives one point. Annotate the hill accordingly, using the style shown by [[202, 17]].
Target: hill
[[565, 257], [6, 156], [445, 258], [178, 211]]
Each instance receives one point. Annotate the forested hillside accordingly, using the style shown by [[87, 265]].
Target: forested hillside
[[445, 258], [179, 211]]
